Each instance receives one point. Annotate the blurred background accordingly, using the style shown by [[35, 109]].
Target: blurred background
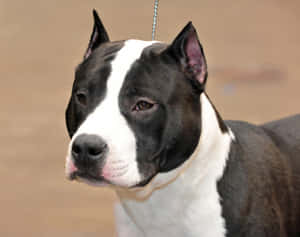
[[253, 53]]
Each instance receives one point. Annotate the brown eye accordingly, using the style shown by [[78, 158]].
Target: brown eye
[[81, 98], [142, 105]]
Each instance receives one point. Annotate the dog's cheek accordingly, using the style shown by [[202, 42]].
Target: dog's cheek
[[148, 135], [74, 117], [181, 138], [70, 118], [146, 156]]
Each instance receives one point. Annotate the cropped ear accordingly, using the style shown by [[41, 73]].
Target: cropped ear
[[98, 36], [187, 50]]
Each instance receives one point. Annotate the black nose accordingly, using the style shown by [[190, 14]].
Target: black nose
[[88, 150]]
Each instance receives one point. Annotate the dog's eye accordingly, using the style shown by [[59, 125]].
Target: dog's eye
[[143, 105], [81, 98]]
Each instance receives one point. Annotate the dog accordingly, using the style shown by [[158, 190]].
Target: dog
[[141, 122]]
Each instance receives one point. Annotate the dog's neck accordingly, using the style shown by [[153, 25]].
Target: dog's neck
[[206, 163]]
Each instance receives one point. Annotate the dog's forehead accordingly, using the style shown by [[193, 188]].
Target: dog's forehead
[[144, 70], [134, 49], [122, 53], [107, 51], [122, 64], [100, 58]]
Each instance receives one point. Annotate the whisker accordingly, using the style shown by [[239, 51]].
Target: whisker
[[120, 174], [120, 168]]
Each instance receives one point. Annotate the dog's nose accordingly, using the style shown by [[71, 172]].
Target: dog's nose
[[88, 150]]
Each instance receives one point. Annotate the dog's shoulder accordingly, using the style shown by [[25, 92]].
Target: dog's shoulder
[[285, 134], [281, 133], [286, 129], [262, 158]]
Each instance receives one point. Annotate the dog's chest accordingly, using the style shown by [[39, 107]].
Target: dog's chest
[[175, 212]]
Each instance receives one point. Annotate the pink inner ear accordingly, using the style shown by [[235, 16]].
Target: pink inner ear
[[195, 58], [87, 53], [92, 42]]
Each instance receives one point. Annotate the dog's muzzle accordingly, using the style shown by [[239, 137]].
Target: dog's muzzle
[[88, 153]]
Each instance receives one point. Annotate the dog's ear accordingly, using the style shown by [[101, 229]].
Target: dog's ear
[[99, 35], [187, 50]]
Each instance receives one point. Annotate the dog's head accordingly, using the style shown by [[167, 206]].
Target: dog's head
[[134, 111]]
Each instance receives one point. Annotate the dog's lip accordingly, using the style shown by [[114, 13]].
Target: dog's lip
[[100, 180], [85, 175]]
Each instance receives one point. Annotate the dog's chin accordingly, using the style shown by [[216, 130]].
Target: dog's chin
[[144, 182]]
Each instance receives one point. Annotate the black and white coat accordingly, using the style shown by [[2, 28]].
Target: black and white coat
[[177, 167]]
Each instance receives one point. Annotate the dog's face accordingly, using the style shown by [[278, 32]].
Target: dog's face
[[134, 110]]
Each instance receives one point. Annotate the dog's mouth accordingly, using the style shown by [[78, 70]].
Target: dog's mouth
[[89, 178], [115, 176], [93, 180]]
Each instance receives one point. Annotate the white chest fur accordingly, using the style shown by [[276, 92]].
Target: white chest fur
[[184, 202]]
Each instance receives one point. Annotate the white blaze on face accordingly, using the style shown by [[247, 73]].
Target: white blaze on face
[[106, 121]]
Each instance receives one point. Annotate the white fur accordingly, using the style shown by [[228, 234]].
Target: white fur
[[106, 121], [185, 201]]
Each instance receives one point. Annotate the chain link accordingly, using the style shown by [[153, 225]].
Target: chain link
[[154, 19]]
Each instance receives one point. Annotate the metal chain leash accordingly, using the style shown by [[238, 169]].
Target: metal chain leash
[[154, 19]]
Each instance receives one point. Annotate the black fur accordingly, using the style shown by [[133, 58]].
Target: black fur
[[260, 188]]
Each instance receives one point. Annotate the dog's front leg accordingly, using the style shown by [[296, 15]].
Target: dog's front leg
[[124, 225]]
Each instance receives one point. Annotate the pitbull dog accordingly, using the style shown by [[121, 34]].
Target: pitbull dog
[[141, 122]]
